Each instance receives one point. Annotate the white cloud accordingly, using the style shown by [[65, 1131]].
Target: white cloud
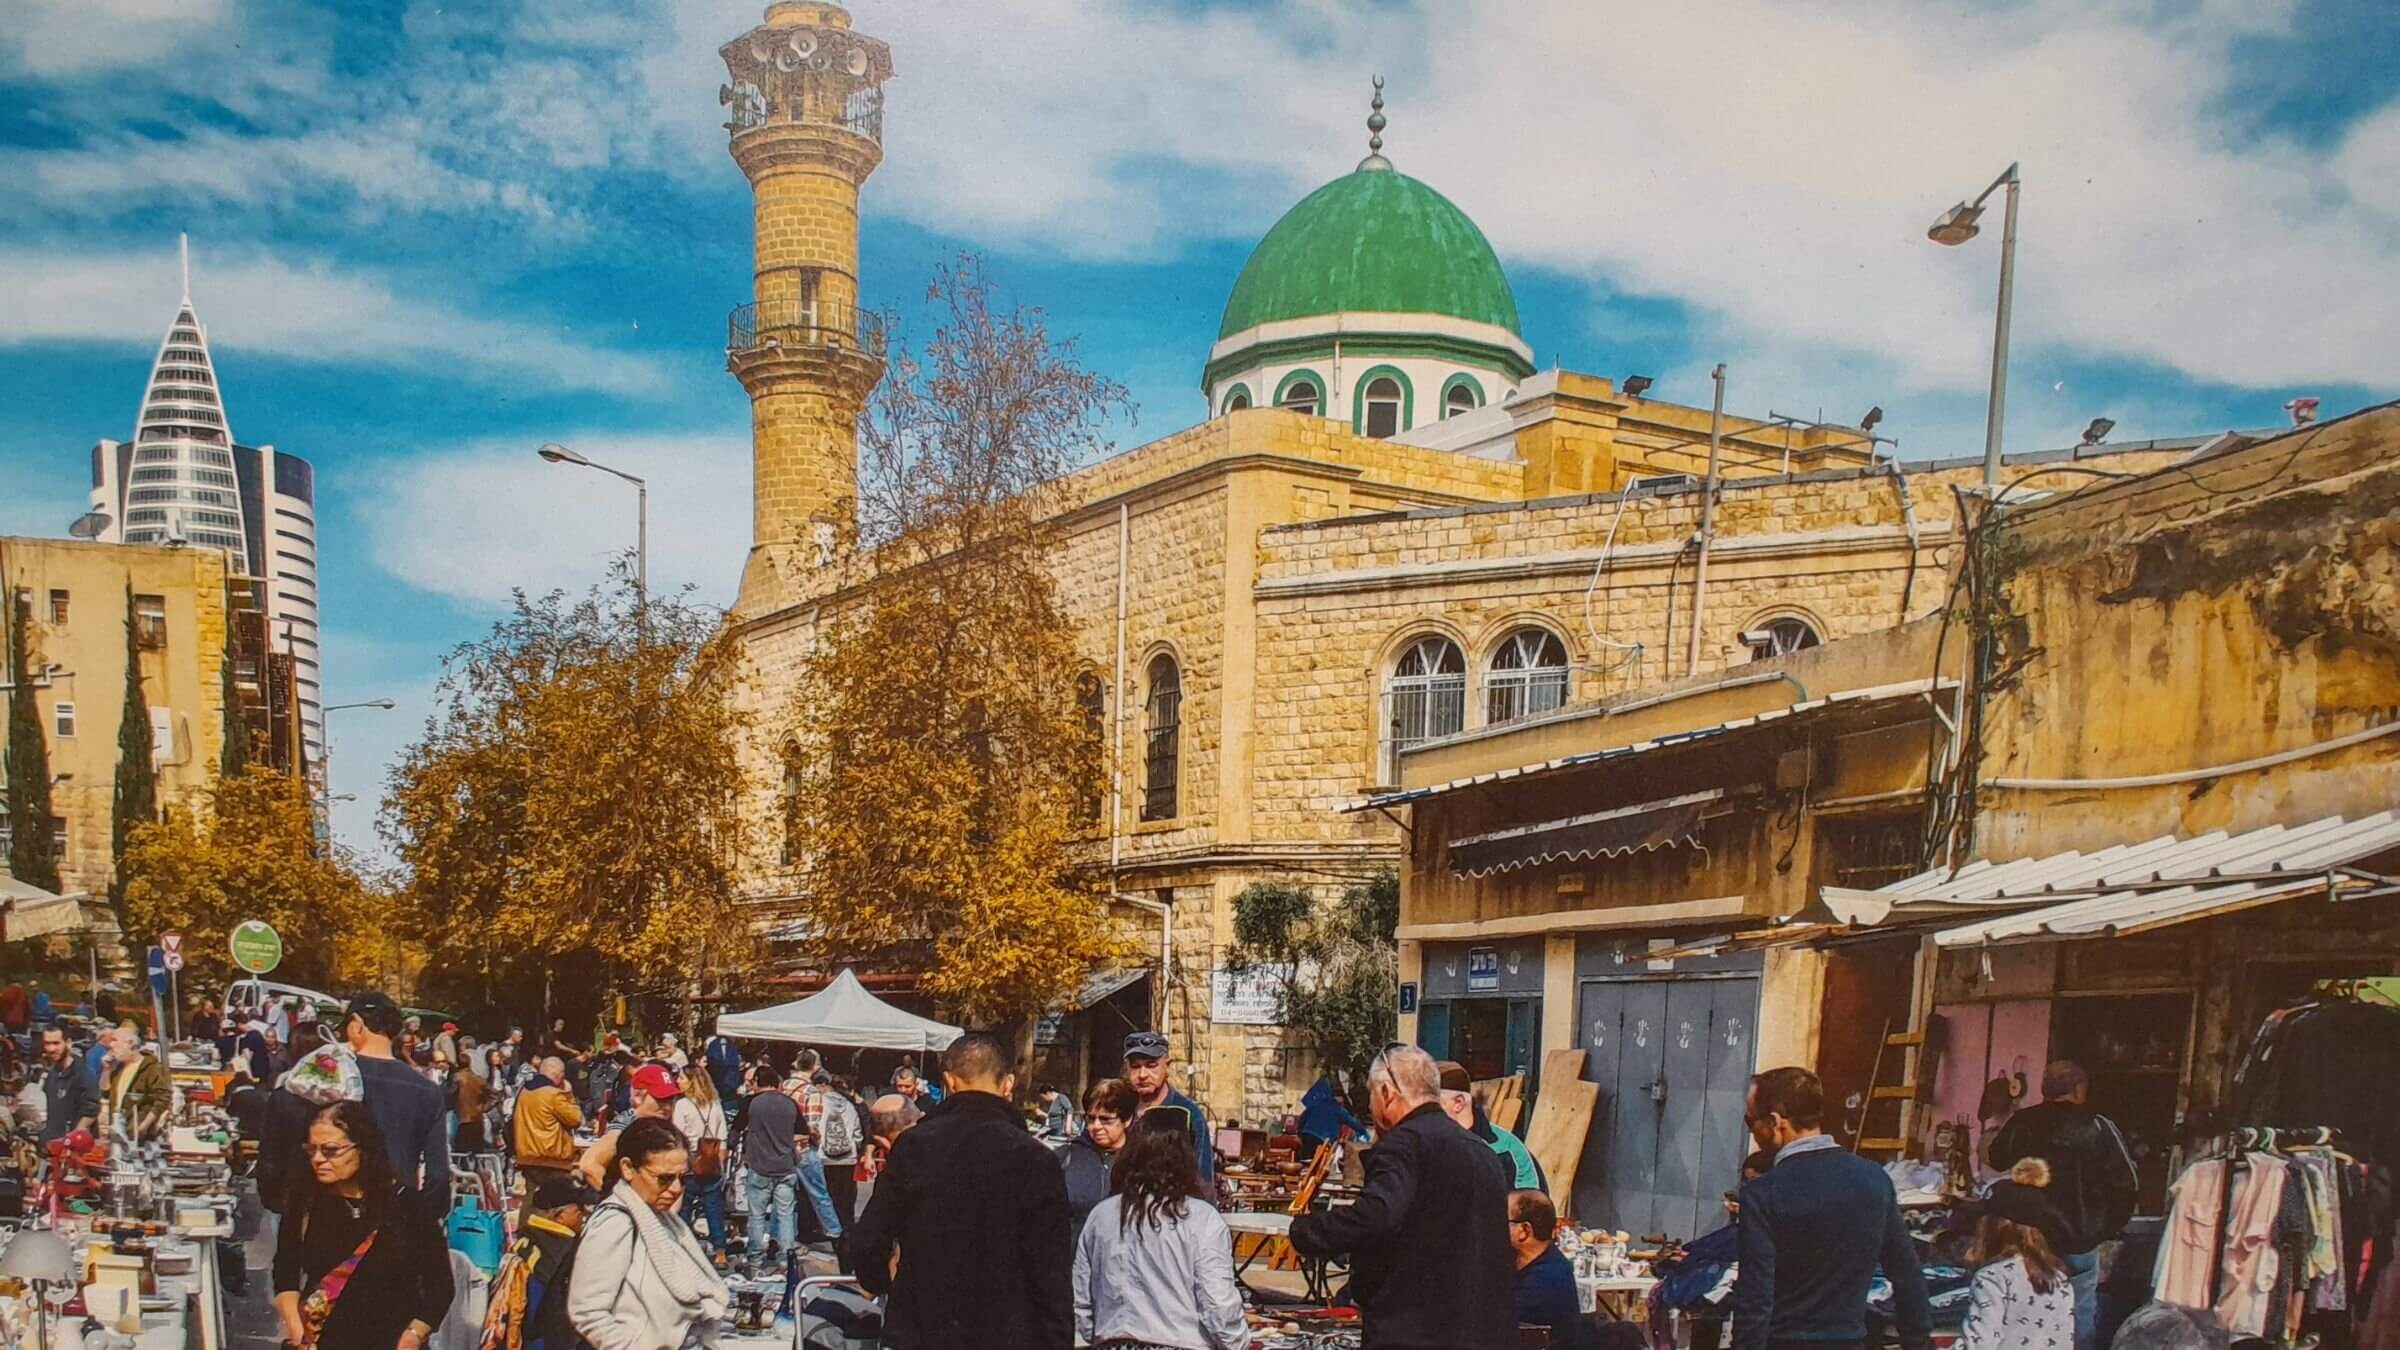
[[476, 521], [1771, 164], [312, 311], [51, 38]]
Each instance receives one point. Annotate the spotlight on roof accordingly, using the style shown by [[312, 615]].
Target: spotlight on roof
[[1956, 226], [1636, 385], [1874, 416], [2098, 431]]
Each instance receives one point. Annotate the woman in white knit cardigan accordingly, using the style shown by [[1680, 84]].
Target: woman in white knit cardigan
[[642, 1281]]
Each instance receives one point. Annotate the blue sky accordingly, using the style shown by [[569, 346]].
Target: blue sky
[[427, 239]]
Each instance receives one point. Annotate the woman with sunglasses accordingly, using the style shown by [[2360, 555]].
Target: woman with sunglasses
[[357, 1267], [641, 1281]]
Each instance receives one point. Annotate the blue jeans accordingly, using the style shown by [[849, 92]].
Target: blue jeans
[[773, 1219], [2084, 1273], [708, 1197], [812, 1172]]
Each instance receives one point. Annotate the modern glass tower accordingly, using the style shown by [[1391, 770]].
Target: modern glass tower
[[183, 479]]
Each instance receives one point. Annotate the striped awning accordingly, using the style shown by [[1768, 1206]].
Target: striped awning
[[1586, 838]]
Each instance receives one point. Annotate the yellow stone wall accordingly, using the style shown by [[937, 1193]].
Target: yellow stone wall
[[184, 676]]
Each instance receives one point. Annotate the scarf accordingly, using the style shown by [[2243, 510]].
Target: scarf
[[688, 1275]]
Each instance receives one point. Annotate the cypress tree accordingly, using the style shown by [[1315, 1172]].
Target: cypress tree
[[137, 771], [32, 855], [236, 758]]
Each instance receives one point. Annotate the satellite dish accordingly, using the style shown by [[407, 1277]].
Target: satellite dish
[[89, 525]]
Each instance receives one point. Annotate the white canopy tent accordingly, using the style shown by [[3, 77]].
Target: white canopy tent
[[842, 1013]]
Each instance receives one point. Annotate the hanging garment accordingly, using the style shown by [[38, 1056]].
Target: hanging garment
[[2252, 1263], [2325, 1063], [2187, 1249]]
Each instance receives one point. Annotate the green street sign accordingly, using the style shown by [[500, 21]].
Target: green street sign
[[257, 948]]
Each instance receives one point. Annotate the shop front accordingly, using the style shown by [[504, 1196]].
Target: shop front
[[1482, 1005]]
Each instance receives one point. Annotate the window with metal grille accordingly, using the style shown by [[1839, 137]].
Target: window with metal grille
[[1424, 697], [1528, 676], [1780, 637], [1162, 747], [1091, 697]]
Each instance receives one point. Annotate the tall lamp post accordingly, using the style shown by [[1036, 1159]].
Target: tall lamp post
[[380, 705], [559, 454], [1957, 226]]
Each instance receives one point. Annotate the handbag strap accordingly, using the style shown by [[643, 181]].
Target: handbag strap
[[318, 1307]]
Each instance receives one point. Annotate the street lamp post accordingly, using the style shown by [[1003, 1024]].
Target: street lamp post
[[559, 454], [380, 705], [1957, 226]]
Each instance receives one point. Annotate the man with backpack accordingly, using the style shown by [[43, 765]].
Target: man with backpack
[[528, 1299], [833, 1119]]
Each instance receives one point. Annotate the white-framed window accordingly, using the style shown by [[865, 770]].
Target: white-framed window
[[1304, 396], [62, 719], [1460, 399], [1528, 676], [1424, 697], [1780, 637], [1383, 400]]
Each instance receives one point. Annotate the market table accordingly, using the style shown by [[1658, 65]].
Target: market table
[[1624, 1294], [1274, 1232]]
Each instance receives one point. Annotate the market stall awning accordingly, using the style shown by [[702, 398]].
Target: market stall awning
[[1878, 705], [1585, 838], [1102, 983], [37, 913], [842, 1013], [2124, 889]]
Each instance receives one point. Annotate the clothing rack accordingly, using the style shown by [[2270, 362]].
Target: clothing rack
[[2231, 1146]]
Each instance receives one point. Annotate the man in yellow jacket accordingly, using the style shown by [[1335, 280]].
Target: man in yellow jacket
[[136, 1097], [546, 1119]]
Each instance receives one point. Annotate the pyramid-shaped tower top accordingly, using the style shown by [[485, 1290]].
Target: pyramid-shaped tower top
[[182, 481]]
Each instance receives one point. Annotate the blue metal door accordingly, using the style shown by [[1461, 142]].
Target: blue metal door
[[1433, 1029], [1673, 1060]]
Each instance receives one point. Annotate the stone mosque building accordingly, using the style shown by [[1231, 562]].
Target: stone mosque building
[[1392, 531]]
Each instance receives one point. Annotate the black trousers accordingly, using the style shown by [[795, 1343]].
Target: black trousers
[[841, 1185]]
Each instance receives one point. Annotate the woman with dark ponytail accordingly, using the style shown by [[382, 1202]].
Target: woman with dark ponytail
[[355, 1265], [641, 1281], [1154, 1264]]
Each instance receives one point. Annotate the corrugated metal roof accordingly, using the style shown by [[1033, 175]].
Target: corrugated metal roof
[[2132, 888], [1847, 698]]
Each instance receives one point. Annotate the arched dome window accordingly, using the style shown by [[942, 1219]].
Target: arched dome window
[[1424, 697], [1383, 406], [1528, 676], [1239, 401], [1302, 394], [1460, 399]]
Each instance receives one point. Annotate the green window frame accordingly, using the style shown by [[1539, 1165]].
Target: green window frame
[[1358, 397], [1240, 391], [1462, 380], [1303, 376]]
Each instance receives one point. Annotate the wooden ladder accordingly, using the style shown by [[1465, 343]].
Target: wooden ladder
[[1913, 1069]]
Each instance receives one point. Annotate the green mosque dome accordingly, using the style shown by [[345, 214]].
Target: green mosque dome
[[1373, 241]]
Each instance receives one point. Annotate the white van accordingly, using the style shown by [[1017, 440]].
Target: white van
[[252, 992]]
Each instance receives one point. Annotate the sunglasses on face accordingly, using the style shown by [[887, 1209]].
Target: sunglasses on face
[[328, 1150], [665, 1180]]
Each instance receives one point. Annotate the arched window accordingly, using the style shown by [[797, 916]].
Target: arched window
[[1091, 698], [789, 803], [1383, 406], [1425, 696], [1780, 637], [1461, 395], [1162, 732], [1301, 394], [1237, 400], [1528, 676]]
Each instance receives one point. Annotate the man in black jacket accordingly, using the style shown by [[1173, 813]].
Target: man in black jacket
[[1814, 1230], [2092, 1179], [977, 1211], [1431, 1267], [71, 1100]]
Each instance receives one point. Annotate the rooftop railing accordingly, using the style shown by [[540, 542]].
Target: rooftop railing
[[757, 327]]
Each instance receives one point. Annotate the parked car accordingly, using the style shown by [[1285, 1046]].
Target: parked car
[[253, 992]]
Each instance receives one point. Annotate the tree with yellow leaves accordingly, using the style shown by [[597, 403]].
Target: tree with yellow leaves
[[568, 819], [248, 849], [938, 758]]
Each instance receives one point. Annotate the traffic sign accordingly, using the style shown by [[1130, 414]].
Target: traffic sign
[[172, 945], [256, 947], [158, 972]]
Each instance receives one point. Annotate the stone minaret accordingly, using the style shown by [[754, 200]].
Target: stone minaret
[[806, 98]]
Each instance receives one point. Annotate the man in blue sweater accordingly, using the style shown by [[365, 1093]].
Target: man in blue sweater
[[1814, 1229], [1147, 1068]]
